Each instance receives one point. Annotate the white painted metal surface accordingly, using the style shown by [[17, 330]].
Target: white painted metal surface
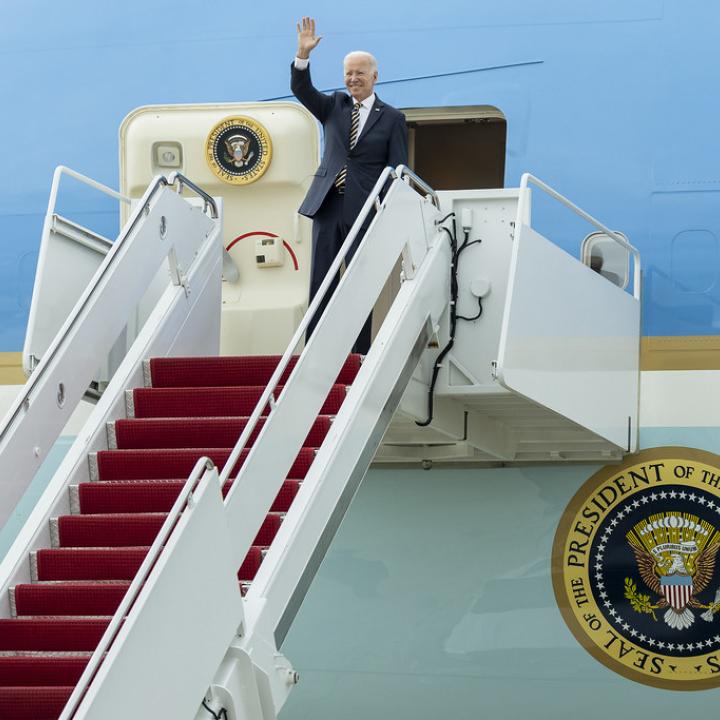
[[493, 214], [69, 256], [570, 339], [351, 442], [187, 612], [41, 411], [547, 372], [79, 254]]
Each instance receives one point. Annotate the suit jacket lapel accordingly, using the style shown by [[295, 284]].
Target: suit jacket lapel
[[375, 112]]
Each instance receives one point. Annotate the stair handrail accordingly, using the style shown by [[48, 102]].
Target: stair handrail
[[61, 170], [267, 396], [48, 226], [204, 468], [160, 181], [403, 171], [181, 181], [528, 178]]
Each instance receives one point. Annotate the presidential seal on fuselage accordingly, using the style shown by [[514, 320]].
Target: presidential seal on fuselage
[[635, 568], [238, 150]]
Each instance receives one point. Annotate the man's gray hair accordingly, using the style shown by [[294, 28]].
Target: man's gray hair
[[362, 53]]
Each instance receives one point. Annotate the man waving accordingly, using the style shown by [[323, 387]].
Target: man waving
[[363, 135]]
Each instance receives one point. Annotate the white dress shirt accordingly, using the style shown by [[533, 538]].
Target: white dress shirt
[[365, 105]]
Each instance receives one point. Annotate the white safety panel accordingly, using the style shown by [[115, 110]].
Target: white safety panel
[[570, 340]]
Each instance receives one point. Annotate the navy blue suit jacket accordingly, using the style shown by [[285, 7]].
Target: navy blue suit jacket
[[383, 142]]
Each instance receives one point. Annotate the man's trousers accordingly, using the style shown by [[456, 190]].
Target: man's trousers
[[328, 234]]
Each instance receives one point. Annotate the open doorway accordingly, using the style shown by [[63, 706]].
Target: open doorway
[[453, 148], [458, 148]]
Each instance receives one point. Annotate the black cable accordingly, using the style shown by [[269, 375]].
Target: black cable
[[222, 715], [465, 246], [454, 317], [474, 317], [453, 321], [440, 222]]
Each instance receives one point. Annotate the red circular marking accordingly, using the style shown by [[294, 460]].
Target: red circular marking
[[286, 245], [292, 254]]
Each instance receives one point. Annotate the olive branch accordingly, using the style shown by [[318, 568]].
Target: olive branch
[[639, 603]]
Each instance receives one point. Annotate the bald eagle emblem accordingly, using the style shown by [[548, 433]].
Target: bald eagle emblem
[[675, 554], [238, 150]]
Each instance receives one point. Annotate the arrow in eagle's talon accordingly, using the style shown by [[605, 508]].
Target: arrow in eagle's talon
[[709, 614]]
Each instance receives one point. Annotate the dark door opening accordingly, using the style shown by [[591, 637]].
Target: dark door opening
[[459, 153]]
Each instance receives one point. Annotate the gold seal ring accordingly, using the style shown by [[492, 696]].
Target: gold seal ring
[[238, 150]]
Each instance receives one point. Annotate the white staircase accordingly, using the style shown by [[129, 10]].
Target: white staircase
[[182, 631]]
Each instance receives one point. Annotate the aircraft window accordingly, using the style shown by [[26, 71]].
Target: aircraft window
[[603, 255]]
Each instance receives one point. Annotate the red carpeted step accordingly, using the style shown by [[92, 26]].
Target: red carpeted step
[[126, 530], [33, 703], [177, 463], [51, 634], [38, 670], [119, 530], [69, 598], [251, 564], [133, 496], [214, 401], [268, 530], [128, 496], [81, 583], [224, 371], [89, 564], [287, 494], [183, 432]]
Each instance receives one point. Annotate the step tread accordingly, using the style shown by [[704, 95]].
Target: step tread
[[68, 598], [41, 670], [52, 633], [214, 401], [221, 432], [169, 464], [33, 702], [106, 563], [132, 529], [231, 370], [133, 496]]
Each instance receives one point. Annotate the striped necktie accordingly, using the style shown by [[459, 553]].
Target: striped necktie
[[354, 127]]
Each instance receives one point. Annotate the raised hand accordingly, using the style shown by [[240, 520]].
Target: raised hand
[[307, 39]]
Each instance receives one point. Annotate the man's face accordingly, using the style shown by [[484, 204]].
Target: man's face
[[360, 79]]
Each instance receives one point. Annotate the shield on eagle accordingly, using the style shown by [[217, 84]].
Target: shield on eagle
[[677, 590]]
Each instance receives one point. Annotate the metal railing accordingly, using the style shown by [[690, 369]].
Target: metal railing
[[527, 179], [61, 170], [403, 171], [176, 179], [204, 468], [267, 398]]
